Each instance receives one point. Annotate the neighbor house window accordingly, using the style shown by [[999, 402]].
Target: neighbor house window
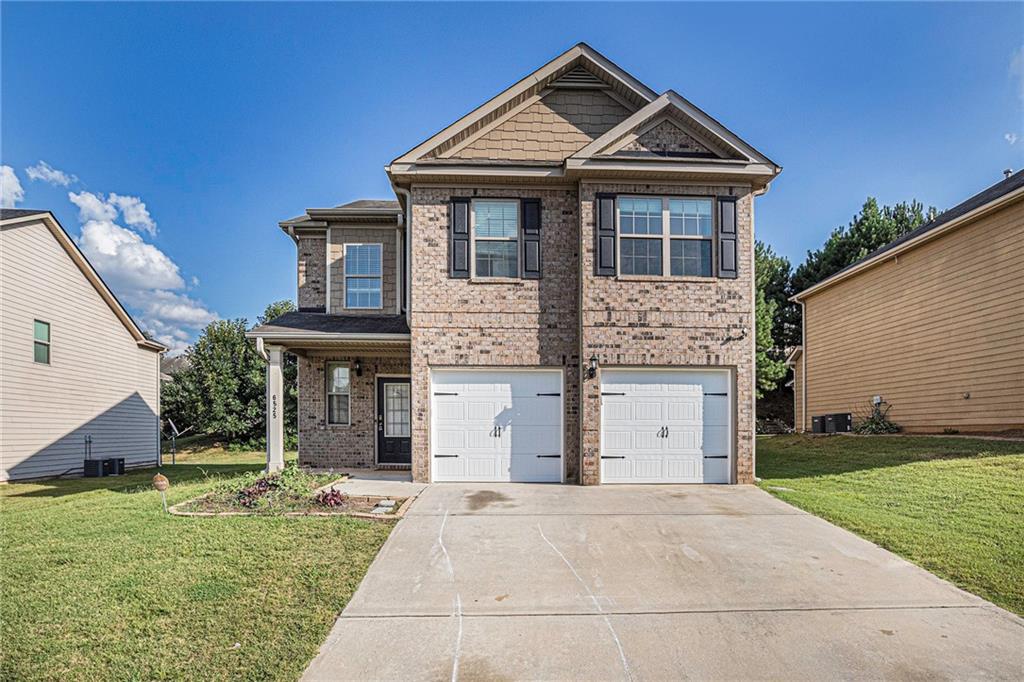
[[495, 238], [41, 342], [647, 248], [337, 393], [363, 275]]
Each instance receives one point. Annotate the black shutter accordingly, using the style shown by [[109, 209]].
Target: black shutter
[[458, 238], [604, 256], [727, 261], [530, 209]]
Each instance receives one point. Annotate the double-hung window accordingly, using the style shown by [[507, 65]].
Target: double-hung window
[[41, 342], [495, 238], [665, 236], [337, 393], [364, 276]]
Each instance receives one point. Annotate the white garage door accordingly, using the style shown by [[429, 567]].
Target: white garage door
[[492, 425], [665, 426]]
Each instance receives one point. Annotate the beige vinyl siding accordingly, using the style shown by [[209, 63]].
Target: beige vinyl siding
[[99, 381], [942, 320]]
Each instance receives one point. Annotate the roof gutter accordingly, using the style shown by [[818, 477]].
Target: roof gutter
[[910, 244], [305, 336]]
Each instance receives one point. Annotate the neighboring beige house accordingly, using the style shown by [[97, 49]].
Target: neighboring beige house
[[562, 292], [932, 324], [73, 364]]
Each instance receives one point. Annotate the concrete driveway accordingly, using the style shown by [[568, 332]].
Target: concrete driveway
[[514, 581]]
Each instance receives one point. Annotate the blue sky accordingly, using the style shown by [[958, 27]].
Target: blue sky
[[224, 118]]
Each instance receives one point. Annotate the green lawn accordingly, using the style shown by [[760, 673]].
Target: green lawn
[[954, 506], [97, 583]]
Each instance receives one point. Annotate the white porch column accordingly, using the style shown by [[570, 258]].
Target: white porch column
[[275, 409]]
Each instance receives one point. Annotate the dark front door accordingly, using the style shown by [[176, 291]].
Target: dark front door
[[394, 421]]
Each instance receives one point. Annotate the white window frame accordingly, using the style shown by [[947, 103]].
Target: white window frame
[[328, 367], [345, 276], [48, 343], [473, 238], [666, 236]]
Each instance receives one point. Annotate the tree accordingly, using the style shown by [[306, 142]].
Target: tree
[[870, 229], [772, 274], [769, 368], [221, 392]]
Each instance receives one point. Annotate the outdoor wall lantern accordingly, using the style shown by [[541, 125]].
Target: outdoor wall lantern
[[358, 366], [592, 367]]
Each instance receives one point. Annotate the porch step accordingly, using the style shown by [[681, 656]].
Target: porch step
[[394, 467]]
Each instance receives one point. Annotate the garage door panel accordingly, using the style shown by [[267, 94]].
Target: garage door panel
[[644, 410], [668, 428], [646, 441], [474, 402]]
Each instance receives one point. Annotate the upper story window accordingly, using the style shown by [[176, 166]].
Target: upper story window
[[364, 266], [338, 393], [41, 342], [495, 232], [647, 248]]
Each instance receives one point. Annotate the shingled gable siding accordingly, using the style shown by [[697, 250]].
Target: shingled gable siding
[[466, 323], [334, 445], [549, 130], [660, 322], [312, 268], [341, 236], [943, 321], [666, 138]]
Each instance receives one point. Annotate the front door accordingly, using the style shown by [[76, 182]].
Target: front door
[[394, 421]]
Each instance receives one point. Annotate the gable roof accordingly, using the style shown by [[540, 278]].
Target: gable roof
[[579, 66], [672, 105], [991, 198], [18, 217], [565, 119]]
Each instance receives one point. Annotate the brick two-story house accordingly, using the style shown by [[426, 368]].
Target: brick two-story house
[[562, 292]]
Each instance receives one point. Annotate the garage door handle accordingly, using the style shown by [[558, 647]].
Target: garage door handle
[[444, 456], [613, 457], [548, 456], [442, 393], [716, 456], [551, 394], [609, 393]]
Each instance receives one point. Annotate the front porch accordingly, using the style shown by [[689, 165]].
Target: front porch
[[354, 393]]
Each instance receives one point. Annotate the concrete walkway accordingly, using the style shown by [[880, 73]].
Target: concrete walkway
[[379, 483], [513, 581]]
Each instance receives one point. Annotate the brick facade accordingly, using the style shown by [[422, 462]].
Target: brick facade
[[668, 322], [312, 269], [333, 445], [521, 323], [339, 236]]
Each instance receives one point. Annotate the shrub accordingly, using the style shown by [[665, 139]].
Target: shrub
[[331, 498], [876, 421]]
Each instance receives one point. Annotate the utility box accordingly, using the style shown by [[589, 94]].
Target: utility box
[[113, 466], [818, 424], [93, 468], [843, 422]]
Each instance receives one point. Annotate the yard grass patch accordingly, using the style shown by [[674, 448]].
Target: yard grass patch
[[100, 584], [954, 506]]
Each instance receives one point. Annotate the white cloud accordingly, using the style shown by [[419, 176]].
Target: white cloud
[[10, 187], [1011, 138], [92, 207], [134, 212], [132, 209], [142, 276], [179, 309], [47, 173], [125, 260]]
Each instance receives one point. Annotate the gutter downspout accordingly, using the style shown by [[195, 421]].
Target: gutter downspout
[[407, 275], [803, 367], [753, 333]]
